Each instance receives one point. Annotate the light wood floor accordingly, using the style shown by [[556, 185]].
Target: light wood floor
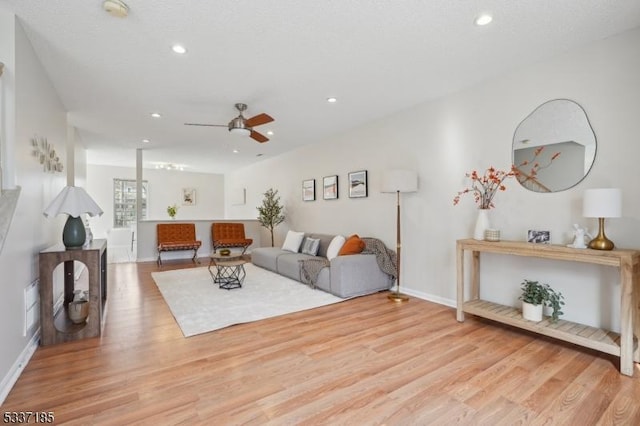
[[361, 362]]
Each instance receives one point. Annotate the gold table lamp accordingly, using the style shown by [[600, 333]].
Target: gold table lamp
[[602, 203]]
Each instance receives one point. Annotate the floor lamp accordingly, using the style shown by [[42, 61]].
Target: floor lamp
[[399, 181]]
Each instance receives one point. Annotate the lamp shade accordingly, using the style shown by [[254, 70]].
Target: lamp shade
[[74, 201], [602, 202], [399, 181]]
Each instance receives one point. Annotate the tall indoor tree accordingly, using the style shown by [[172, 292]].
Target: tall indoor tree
[[270, 213]]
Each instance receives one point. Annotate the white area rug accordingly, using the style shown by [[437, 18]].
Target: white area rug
[[199, 305]]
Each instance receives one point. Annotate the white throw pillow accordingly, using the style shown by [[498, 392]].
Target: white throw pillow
[[334, 246], [293, 241]]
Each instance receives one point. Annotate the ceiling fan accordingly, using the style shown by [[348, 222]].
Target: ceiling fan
[[243, 126]]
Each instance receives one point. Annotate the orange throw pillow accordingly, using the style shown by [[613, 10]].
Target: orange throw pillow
[[353, 245]]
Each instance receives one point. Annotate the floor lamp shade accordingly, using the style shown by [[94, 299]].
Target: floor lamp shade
[[73, 201], [399, 181], [602, 203]]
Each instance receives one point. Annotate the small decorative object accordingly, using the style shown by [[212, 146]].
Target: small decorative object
[[330, 187], [492, 234], [225, 252], [579, 234], [539, 295], [78, 311], [270, 213], [188, 197], [172, 210], [602, 203], [540, 237], [358, 184], [309, 190]]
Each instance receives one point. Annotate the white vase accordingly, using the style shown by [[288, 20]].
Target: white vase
[[532, 312], [482, 224]]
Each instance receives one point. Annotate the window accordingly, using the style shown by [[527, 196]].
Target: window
[[124, 202]]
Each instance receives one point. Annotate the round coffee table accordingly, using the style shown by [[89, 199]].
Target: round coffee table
[[229, 270]]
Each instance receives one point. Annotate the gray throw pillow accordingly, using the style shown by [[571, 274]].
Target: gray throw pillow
[[310, 246]]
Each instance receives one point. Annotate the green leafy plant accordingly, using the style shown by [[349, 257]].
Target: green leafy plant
[[542, 294], [172, 210], [270, 213]]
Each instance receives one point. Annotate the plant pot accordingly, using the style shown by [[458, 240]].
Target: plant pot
[[78, 311], [532, 312]]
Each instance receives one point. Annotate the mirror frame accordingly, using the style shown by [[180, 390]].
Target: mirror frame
[[519, 140]]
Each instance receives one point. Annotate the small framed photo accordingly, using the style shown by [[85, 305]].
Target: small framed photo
[[188, 197], [330, 187], [309, 190], [358, 184], [539, 237]]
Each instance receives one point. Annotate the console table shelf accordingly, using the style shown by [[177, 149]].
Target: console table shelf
[[623, 345]]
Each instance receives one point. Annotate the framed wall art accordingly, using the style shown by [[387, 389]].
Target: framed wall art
[[330, 187], [188, 197], [540, 237], [358, 187], [309, 190]]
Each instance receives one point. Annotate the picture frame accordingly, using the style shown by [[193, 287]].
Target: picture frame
[[309, 190], [358, 185], [188, 196], [330, 187], [538, 237]]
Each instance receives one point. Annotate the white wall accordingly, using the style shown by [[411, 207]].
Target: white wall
[[37, 111], [165, 188], [473, 129]]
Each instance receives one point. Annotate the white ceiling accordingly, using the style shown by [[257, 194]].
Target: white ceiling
[[282, 57]]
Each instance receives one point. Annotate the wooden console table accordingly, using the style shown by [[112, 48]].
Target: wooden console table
[[628, 261], [59, 328]]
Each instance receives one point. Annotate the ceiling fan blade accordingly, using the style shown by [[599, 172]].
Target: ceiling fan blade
[[258, 120], [258, 136], [207, 125]]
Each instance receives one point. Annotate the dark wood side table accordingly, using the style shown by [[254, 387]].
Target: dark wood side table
[[58, 328]]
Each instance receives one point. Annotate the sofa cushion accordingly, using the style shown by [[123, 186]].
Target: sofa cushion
[[267, 257], [325, 240], [310, 246], [293, 241], [353, 245], [289, 265], [335, 246]]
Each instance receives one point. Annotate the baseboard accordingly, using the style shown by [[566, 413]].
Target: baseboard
[[16, 369], [430, 297]]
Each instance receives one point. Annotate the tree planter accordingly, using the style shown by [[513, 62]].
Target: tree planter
[[532, 312]]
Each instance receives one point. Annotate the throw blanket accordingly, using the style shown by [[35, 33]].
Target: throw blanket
[[386, 258]]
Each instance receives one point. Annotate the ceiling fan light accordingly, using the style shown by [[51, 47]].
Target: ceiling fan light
[[239, 131]]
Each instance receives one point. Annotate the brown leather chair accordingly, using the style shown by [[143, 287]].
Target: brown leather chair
[[177, 236], [229, 235]]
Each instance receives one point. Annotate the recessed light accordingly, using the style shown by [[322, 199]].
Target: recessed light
[[145, 141], [483, 19], [270, 132], [156, 115], [178, 48], [235, 151], [332, 100]]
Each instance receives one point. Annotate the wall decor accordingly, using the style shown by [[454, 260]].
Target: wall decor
[[238, 196], [358, 187], [46, 155], [309, 190], [540, 237], [188, 197], [330, 187]]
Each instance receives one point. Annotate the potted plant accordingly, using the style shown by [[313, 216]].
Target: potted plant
[[270, 212], [535, 296], [172, 211]]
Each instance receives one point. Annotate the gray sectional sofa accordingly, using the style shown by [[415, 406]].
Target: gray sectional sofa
[[347, 276]]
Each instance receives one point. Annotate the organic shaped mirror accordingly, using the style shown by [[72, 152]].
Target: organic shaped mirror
[[554, 147]]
